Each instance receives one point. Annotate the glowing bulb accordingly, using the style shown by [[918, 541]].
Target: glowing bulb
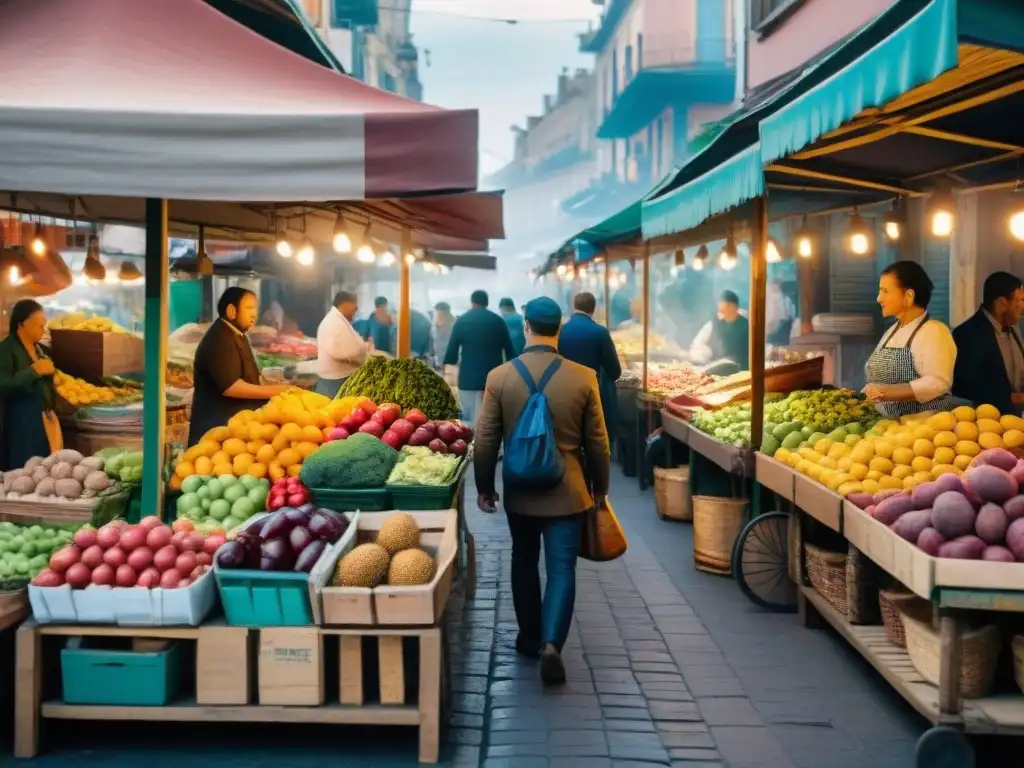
[[674, 271], [387, 258], [342, 243], [1017, 225], [410, 259], [942, 223], [38, 246], [14, 276], [859, 243], [284, 249], [698, 265], [443, 269], [561, 269], [726, 261], [366, 255], [771, 253], [892, 230], [306, 255], [804, 247]]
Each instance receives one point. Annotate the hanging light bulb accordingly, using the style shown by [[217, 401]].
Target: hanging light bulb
[[386, 258], [942, 212], [284, 248], [38, 244], [342, 242], [727, 256], [700, 259], [128, 272], [93, 268], [410, 258], [892, 224], [561, 269], [365, 254], [858, 235], [204, 264], [803, 239], [306, 254], [772, 255], [15, 268]]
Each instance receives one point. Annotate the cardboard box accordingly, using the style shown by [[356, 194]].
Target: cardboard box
[[224, 665], [91, 355], [291, 666]]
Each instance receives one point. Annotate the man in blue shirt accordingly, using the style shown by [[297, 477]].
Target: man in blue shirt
[[588, 343], [479, 343], [514, 321], [378, 326]]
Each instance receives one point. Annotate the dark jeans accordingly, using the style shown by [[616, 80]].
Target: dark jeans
[[547, 621]]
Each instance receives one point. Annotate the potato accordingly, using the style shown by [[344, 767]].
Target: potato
[[1015, 538], [887, 494], [1014, 508], [860, 499], [930, 540], [998, 555], [991, 524], [991, 483], [996, 457], [949, 482], [963, 548], [890, 510], [953, 515], [925, 495], [910, 524]]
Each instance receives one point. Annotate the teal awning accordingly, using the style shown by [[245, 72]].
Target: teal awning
[[918, 51]]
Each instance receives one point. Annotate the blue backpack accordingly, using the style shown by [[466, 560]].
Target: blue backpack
[[532, 459]]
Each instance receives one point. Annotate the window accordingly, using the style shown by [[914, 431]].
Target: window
[[765, 13], [627, 74], [639, 52]]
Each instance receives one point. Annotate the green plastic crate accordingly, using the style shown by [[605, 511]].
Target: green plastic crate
[[265, 598], [127, 678], [365, 500], [427, 497]]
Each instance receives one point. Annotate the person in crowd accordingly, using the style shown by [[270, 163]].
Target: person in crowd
[[554, 516], [726, 338], [275, 317], [779, 315], [28, 423], [441, 332], [340, 350], [378, 326], [911, 369], [989, 356], [227, 377], [514, 321], [419, 335], [479, 343], [585, 342]]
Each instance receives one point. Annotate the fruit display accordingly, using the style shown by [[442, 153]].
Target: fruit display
[[407, 382], [357, 462], [122, 465], [296, 349], [672, 381], [61, 477], [25, 550], [78, 392], [418, 465], [180, 376], [979, 516], [394, 558], [291, 539], [287, 492], [78, 321], [147, 555], [387, 423], [221, 503], [901, 455]]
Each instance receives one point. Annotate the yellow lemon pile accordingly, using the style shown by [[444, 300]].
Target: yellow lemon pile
[[271, 441], [80, 392], [903, 454]]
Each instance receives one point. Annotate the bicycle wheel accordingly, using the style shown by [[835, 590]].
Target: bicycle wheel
[[760, 563]]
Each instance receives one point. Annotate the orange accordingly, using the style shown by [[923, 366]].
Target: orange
[[259, 471], [218, 434], [219, 458], [253, 446], [266, 454], [234, 446], [276, 471], [294, 470], [291, 432], [204, 466], [184, 469], [289, 457], [306, 448], [280, 443], [207, 447], [312, 434], [268, 431], [242, 463], [191, 454], [175, 483], [223, 469], [255, 430]]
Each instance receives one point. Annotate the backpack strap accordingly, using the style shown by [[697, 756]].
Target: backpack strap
[[536, 388]]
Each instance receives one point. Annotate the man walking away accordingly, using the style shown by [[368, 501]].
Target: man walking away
[[514, 321], [479, 343], [585, 342], [441, 332], [989, 356], [555, 514], [340, 349]]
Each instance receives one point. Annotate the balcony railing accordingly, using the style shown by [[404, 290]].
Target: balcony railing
[[669, 51]]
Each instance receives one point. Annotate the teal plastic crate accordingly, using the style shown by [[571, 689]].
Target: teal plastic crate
[[126, 678], [265, 598], [365, 500]]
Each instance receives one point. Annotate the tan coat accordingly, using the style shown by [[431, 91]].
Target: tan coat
[[575, 404]]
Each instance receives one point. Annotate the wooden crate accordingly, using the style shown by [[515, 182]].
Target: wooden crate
[[91, 355], [392, 606]]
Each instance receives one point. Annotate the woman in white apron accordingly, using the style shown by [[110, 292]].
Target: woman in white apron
[[911, 369]]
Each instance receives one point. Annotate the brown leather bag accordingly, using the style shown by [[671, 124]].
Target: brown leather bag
[[603, 537]]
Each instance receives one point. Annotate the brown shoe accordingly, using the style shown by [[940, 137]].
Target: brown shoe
[[552, 670]]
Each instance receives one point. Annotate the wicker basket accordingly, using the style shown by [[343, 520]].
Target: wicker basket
[[1017, 644], [893, 604], [979, 655], [862, 580], [670, 493], [827, 573], [716, 524]]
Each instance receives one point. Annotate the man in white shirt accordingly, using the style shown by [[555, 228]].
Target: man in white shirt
[[340, 349]]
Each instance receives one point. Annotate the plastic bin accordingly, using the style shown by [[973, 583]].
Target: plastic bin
[[350, 500], [265, 598], [127, 678]]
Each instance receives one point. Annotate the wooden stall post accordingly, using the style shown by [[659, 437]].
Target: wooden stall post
[[647, 305], [758, 290], [607, 292], [154, 404], [404, 293]]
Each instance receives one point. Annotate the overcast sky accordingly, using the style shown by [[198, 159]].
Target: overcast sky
[[502, 69]]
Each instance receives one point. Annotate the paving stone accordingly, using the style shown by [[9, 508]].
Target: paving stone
[[471, 703], [728, 711], [716, 687], [466, 757], [617, 700], [631, 726], [626, 713], [654, 666], [658, 677], [699, 740], [602, 661], [469, 736], [752, 746], [577, 738], [462, 720], [667, 695], [501, 738], [613, 676], [695, 755], [468, 684], [674, 710], [646, 740], [622, 688], [516, 762]]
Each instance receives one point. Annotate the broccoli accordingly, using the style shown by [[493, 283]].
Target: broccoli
[[360, 461]]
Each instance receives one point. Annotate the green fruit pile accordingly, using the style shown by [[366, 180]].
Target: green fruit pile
[[730, 424], [26, 550], [221, 502], [809, 415]]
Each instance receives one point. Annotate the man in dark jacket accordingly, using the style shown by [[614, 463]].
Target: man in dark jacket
[[989, 355], [724, 341], [479, 343], [378, 326], [584, 341], [514, 321]]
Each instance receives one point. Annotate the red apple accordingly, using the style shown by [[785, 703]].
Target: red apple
[[125, 576], [165, 557], [85, 538], [103, 575], [151, 522], [133, 537], [170, 579], [149, 578], [186, 562], [78, 575], [141, 559], [108, 536], [192, 543], [115, 557], [92, 557], [158, 537]]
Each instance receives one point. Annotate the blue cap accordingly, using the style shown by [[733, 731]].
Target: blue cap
[[543, 310]]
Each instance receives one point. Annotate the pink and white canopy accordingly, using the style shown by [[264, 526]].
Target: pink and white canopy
[[172, 99]]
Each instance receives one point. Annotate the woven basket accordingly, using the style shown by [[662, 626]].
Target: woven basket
[[1017, 644], [893, 604], [827, 573], [716, 524], [670, 493], [862, 579], [979, 655]]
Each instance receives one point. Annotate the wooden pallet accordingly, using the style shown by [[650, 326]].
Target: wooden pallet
[[227, 659]]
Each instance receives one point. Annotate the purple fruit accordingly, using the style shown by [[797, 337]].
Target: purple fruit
[[325, 527], [300, 538], [276, 555], [309, 556], [276, 526], [307, 509], [296, 517], [231, 554]]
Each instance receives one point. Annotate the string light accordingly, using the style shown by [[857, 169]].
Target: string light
[[342, 242], [858, 235], [306, 255], [772, 255], [942, 211], [38, 244], [386, 258], [804, 238]]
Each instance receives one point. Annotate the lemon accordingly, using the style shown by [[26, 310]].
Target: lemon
[[990, 440], [987, 412], [924, 447], [944, 469], [944, 439], [875, 475], [858, 470], [884, 448], [964, 413], [870, 486], [890, 483], [962, 462], [849, 487], [844, 464], [967, 448], [990, 425], [942, 422], [881, 464], [921, 464], [902, 456], [1009, 421], [910, 483], [902, 471], [943, 456], [923, 477]]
